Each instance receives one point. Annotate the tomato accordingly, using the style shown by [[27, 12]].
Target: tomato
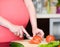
[[50, 38], [35, 40], [59, 46]]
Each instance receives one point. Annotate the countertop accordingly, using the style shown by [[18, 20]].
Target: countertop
[[48, 15]]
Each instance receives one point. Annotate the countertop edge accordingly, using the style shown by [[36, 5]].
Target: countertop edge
[[48, 15]]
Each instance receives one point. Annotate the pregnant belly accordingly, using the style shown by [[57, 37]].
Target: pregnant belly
[[15, 13], [6, 35]]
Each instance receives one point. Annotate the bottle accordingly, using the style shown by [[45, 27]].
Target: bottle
[[58, 7], [48, 7], [53, 6]]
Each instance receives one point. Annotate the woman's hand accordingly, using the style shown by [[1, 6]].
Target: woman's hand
[[38, 31], [18, 30], [33, 18]]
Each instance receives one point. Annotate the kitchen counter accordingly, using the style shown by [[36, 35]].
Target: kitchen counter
[[48, 15], [27, 44]]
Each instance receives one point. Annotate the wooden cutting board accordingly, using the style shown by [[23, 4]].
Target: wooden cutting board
[[27, 44]]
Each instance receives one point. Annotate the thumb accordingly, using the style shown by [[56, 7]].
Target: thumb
[[21, 33], [34, 34]]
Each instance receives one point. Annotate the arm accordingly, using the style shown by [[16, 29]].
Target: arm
[[32, 13], [17, 30], [4, 22], [33, 19]]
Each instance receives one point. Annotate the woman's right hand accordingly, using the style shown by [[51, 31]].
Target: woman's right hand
[[18, 30]]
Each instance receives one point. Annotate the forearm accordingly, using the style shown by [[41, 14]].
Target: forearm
[[32, 13], [4, 22]]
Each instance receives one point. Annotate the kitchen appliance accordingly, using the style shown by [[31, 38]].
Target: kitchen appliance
[[55, 27]]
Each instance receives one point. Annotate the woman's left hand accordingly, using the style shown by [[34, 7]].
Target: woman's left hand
[[38, 31]]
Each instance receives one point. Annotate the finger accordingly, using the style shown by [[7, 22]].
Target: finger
[[18, 33], [21, 33], [15, 33], [39, 34], [34, 34], [42, 33]]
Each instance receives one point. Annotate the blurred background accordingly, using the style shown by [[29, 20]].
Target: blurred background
[[46, 6]]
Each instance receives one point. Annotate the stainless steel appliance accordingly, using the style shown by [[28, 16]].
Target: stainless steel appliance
[[55, 27]]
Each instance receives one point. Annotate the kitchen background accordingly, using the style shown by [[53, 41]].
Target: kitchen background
[[48, 17], [46, 6]]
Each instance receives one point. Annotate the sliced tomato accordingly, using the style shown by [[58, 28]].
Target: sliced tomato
[[37, 38], [34, 41], [50, 38]]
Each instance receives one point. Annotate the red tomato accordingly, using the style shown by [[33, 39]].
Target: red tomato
[[34, 41], [37, 38], [59, 46], [50, 38]]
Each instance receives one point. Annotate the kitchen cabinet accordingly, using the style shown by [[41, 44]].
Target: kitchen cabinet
[[45, 22]]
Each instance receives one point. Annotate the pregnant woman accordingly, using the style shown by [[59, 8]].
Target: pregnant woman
[[14, 16]]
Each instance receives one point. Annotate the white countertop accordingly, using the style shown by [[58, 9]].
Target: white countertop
[[48, 15]]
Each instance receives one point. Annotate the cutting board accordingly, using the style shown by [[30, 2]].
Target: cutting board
[[27, 44]]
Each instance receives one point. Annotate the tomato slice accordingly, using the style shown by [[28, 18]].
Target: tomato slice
[[36, 40]]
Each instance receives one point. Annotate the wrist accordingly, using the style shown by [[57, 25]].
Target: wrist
[[10, 26], [34, 28]]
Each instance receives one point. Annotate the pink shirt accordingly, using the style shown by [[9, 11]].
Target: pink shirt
[[14, 11]]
